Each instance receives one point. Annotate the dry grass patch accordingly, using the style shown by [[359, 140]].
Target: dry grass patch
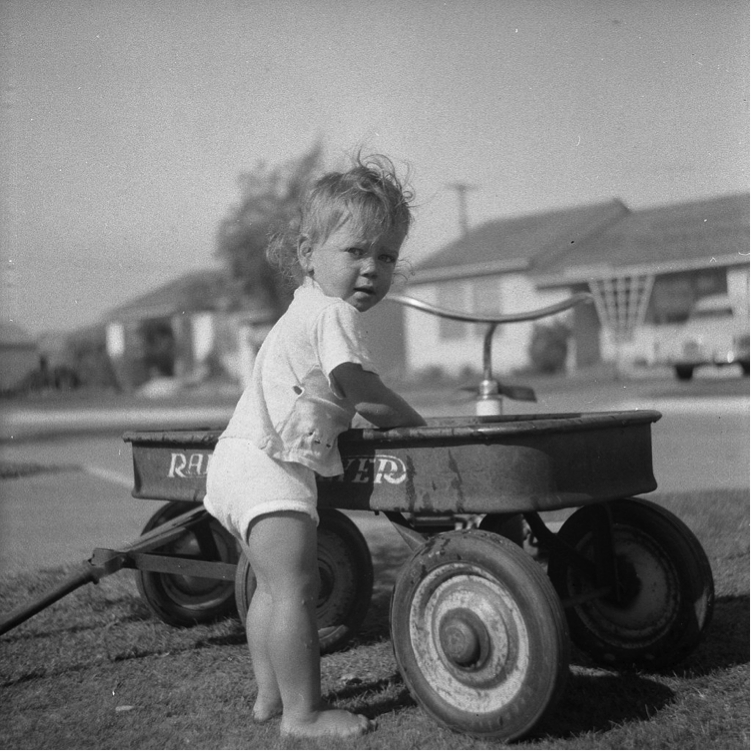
[[97, 671]]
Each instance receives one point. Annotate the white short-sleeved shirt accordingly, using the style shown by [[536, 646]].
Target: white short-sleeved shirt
[[292, 409]]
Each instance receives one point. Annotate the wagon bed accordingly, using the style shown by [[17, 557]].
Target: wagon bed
[[468, 465]]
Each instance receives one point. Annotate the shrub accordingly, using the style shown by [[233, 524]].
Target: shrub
[[549, 347]]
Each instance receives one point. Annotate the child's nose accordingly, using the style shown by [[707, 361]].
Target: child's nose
[[369, 266]]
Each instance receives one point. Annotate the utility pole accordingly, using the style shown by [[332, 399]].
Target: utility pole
[[461, 191]]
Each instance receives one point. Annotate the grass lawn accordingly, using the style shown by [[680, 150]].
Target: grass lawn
[[96, 670]]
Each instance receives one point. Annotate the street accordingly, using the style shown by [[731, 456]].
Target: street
[[54, 517]]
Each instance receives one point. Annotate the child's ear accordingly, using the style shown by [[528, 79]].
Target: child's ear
[[305, 254]]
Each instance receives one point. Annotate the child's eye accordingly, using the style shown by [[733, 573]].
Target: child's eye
[[356, 252], [386, 258]]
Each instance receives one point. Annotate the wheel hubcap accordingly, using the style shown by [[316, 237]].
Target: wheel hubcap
[[649, 598], [468, 637], [464, 639]]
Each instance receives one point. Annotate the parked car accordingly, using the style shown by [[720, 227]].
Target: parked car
[[714, 334]]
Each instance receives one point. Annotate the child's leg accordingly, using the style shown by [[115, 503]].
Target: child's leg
[[269, 701], [283, 553]]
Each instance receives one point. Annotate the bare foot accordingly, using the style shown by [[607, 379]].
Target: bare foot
[[330, 722], [263, 710], [266, 709]]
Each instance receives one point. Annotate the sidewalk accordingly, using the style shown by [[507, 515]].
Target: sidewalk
[[19, 423], [22, 420]]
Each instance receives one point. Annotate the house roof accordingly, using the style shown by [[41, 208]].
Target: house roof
[[12, 335], [529, 242], [204, 290], [660, 239]]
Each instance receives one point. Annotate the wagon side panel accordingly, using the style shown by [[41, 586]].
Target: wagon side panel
[[527, 472], [170, 472]]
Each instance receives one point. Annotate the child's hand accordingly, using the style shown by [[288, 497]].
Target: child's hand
[[372, 399]]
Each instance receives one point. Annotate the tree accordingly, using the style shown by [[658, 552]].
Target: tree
[[270, 197]]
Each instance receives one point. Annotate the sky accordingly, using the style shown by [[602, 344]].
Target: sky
[[126, 123]]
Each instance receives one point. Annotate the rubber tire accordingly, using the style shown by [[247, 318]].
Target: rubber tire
[[510, 526], [495, 589], [657, 554], [187, 600], [684, 372], [346, 570]]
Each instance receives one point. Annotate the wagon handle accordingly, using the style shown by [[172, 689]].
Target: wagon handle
[[103, 562], [82, 574]]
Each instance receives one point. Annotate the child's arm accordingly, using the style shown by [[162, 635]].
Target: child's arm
[[372, 399]]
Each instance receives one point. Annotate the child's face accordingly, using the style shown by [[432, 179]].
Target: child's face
[[353, 267]]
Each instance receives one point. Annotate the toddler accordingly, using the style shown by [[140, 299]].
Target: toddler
[[311, 375]]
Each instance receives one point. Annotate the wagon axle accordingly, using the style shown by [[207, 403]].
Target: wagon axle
[[611, 577]]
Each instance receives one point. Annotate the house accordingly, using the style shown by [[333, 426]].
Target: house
[[647, 271], [491, 270], [186, 329], [194, 327], [19, 355], [644, 269]]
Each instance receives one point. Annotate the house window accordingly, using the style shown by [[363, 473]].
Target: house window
[[475, 296], [674, 295], [486, 300], [672, 298]]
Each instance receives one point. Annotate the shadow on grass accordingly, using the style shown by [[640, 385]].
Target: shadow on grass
[[725, 645], [597, 703], [591, 703], [726, 642], [398, 696], [56, 632], [387, 561], [235, 638], [125, 609]]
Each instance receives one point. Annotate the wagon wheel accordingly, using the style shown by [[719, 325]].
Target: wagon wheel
[[346, 571], [187, 600], [510, 526], [666, 591], [479, 634]]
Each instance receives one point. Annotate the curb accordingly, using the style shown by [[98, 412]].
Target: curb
[[25, 424], [709, 405]]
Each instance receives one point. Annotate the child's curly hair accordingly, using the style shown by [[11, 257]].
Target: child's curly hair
[[370, 194]]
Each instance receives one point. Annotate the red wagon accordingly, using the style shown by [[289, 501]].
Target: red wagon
[[480, 629]]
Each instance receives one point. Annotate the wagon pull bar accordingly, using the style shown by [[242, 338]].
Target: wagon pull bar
[[83, 574], [104, 561]]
